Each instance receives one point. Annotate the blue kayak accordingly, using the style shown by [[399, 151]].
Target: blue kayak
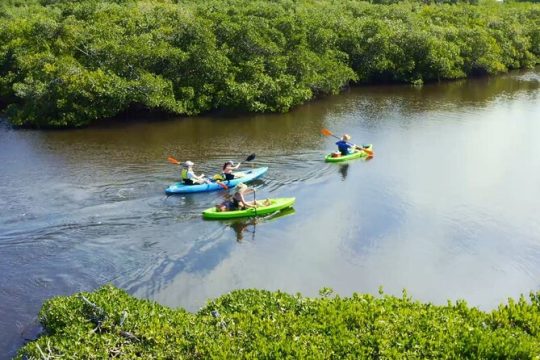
[[242, 177]]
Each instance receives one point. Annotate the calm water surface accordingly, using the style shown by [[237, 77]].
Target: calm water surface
[[449, 207]]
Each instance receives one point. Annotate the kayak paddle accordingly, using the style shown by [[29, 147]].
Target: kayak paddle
[[249, 158], [327, 132], [173, 160], [176, 162]]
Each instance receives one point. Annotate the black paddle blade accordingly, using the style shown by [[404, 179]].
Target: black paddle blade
[[250, 157]]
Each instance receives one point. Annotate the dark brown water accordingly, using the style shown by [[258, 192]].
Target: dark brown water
[[448, 209]]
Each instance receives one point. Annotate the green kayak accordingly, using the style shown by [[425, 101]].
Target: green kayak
[[275, 205], [355, 155]]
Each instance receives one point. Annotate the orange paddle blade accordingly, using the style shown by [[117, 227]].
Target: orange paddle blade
[[326, 132], [173, 160]]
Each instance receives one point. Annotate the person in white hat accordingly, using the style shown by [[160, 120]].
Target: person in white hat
[[189, 177], [240, 202]]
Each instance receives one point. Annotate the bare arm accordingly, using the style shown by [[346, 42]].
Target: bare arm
[[244, 202], [231, 168], [192, 176]]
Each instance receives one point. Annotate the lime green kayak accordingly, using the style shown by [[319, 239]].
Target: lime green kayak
[[275, 205], [355, 155]]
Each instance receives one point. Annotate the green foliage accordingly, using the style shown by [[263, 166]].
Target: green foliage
[[69, 63], [263, 324]]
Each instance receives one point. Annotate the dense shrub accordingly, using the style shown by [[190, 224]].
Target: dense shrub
[[68, 63], [262, 324]]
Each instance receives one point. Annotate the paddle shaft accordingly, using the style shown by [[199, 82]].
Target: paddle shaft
[[255, 202]]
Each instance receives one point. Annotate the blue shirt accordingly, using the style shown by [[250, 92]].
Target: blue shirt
[[344, 147]]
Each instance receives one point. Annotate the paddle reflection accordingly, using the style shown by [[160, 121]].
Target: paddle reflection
[[249, 226], [241, 226]]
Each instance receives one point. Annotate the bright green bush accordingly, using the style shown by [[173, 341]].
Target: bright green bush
[[262, 324], [68, 63]]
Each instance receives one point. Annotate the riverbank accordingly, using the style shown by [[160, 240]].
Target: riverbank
[[59, 68], [260, 324]]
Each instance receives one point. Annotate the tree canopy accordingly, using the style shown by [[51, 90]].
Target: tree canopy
[[67, 64]]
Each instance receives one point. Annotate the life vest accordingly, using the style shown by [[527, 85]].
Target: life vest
[[184, 174]]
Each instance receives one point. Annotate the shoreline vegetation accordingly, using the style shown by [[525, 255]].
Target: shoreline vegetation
[[109, 323], [69, 64]]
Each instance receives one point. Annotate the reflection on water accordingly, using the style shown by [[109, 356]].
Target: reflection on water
[[343, 170], [448, 208], [249, 226], [242, 226]]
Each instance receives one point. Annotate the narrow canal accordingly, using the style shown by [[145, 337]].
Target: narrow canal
[[448, 208]]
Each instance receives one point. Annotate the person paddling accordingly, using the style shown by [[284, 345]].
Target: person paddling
[[344, 147], [238, 202], [188, 175], [228, 168]]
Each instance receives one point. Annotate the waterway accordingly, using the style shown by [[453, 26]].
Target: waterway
[[449, 207]]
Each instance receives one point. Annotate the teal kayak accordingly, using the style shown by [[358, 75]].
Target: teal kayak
[[242, 177], [275, 205], [355, 155]]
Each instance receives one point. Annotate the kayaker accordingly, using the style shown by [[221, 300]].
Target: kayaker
[[344, 147], [188, 176], [228, 168], [238, 202]]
